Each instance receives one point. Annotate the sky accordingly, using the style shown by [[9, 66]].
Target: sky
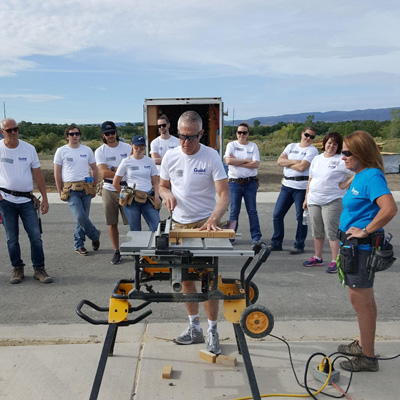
[[87, 61]]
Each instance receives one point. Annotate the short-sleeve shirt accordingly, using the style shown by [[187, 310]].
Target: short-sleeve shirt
[[138, 172], [112, 157], [75, 162], [192, 180], [161, 146], [242, 151], [295, 152], [16, 170]]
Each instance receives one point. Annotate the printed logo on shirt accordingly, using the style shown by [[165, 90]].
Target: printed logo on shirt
[[124, 155], [111, 158], [83, 155], [200, 171], [146, 166], [238, 149], [333, 164], [69, 159], [7, 160], [178, 173], [250, 152], [22, 159], [133, 168], [171, 147], [355, 192]]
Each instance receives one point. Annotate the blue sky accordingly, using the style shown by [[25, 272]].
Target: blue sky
[[87, 61]]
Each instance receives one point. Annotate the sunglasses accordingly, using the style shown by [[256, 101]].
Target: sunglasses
[[242, 132], [74, 134], [110, 133], [191, 138], [310, 136], [347, 153], [161, 126], [16, 129]]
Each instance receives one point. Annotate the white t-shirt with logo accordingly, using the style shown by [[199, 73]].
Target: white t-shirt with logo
[[74, 162], [295, 152], [16, 170], [112, 157], [138, 172], [192, 180], [161, 146], [326, 174], [242, 151]]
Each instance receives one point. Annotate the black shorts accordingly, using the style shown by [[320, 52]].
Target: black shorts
[[360, 278]]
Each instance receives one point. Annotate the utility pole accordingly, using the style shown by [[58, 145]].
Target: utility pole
[[233, 122], [4, 107]]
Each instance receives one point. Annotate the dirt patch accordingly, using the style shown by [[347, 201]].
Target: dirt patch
[[269, 174]]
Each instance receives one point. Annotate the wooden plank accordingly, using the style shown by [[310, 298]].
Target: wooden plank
[[195, 233], [166, 372], [207, 356], [226, 360]]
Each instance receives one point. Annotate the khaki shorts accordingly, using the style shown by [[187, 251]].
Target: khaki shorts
[[112, 208]]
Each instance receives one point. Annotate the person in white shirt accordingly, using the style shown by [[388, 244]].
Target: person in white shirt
[[71, 172], [165, 142], [108, 157], [243, 159], [325, 190], [296, 160], [19, 163], [190, 176], [141, 173]]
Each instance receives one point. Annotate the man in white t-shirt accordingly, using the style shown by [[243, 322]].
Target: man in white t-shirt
[[243, 159], [108, 157], [296, 160], [19, 163], [71, 172], [190, 176], [165, 142]]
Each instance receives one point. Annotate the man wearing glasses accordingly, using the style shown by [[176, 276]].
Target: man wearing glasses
[[243, 158], [190, 176], [165, 142], [19, 163], [108, 157], [71, 173], [296, 160]]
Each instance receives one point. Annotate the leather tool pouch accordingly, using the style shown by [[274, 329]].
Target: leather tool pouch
[[126, 200], [66, 191], [152, 201], [90, 188], [140, 197], [36, 202], [348, 257], [379, 260]]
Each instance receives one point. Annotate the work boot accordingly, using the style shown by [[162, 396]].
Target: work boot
[[352, 349], [361, 363], [41, 275], [17, 274]]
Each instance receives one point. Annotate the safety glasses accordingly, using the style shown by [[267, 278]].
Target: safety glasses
[[347, 153], [191, 138]]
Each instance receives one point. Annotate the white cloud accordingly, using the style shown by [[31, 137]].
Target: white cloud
[[31, 97]]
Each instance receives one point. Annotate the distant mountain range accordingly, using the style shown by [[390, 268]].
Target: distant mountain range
[[379, 114]]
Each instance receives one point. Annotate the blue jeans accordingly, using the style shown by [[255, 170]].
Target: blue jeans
[[286, 198], [249, 193], [79, 202], [10, 213], [135, 211]]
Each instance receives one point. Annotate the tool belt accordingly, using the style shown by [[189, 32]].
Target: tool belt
[[139, 196], [29, 195], [243, 181], [296, 178], [380, 260], [78, 186]]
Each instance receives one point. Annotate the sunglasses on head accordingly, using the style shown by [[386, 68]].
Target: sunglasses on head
[[161, 126], [74, 134], [110, 133], [191, 138], [242, 132], [310, 136], [16, 129], [347, 153]]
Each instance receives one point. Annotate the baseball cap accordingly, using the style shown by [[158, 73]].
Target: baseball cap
[[138, 140], [108, 126]]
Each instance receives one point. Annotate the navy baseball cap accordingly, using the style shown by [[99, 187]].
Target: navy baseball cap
[[108, 126], [138, 140]]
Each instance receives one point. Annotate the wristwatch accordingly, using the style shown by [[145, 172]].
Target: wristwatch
[[365, 230], [112, 169]]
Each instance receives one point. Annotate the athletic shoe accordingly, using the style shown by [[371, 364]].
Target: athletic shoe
[[352, 349], [82, 251], [360, 363], [275, 248], [213, 342], [313, 262], [17, 274], [116, 258], [295, 250], [41, 275], [332, 269], [96, 243], [190, 336]]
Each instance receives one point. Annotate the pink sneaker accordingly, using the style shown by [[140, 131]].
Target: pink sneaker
[[313, 262], [332, 269]]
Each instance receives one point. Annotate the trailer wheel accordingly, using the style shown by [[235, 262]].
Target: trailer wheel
[[253, 293], [256, 321]]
